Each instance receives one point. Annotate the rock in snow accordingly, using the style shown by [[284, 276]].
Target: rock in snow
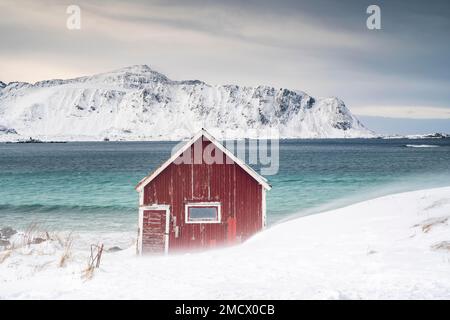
[[5, 130], [7, 232], [138, 103]]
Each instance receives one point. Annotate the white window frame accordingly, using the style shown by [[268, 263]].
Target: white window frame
[[202, 204]]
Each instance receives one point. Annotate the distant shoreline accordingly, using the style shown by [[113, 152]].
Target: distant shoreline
[[31, 140]]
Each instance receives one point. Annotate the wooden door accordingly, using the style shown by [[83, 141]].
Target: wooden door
[[155, 233]]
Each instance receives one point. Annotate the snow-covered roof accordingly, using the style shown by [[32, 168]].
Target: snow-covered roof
[[207, 135]]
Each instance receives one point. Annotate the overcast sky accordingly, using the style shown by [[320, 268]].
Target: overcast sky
[[322, 47]]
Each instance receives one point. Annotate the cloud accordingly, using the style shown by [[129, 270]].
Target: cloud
[[321, 47], [405, 112]]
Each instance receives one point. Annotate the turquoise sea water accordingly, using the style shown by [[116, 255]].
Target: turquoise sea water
[[85, 186]]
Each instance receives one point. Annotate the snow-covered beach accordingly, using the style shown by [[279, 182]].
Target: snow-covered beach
[[393, 247]]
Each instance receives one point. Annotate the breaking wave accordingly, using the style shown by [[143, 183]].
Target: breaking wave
[[69, 217], [421, 146], [66, 209]]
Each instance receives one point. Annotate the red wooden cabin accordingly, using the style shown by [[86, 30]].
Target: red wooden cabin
[[202, 197]]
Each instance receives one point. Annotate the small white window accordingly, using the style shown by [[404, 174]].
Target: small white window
[[203, 212]]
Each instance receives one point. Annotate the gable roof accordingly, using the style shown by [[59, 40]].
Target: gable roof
[[198, 135]]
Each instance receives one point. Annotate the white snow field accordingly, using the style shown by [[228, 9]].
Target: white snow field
[[394, 247]]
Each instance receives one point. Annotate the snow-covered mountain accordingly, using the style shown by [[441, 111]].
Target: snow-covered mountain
[[138, 103]]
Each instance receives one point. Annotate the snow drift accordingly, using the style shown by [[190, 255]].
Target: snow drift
[[394, 247], [138, 103]]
